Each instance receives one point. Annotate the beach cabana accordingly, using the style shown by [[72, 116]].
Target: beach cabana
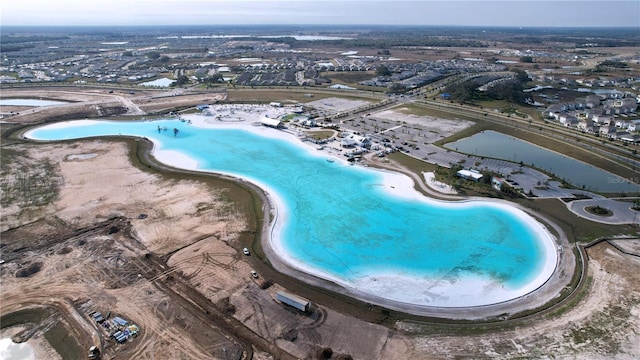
[[348, 142], [271, 122]]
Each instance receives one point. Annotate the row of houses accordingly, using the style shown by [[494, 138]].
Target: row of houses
[[603, 125], [598, 115], [596, 105], [574, 119], [610, 131], [575, 80]]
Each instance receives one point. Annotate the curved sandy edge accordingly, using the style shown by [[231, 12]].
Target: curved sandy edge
[[466, 290]]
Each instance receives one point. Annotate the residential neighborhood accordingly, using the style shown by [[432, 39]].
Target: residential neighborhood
[[321, 191]]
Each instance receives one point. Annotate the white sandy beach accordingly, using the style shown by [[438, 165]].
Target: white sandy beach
[[464, 291], [10, 350], [430, 179]]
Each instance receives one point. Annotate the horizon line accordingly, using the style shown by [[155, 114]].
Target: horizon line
[[329, 24]]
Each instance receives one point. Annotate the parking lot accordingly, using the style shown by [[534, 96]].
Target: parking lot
[[415, 136]]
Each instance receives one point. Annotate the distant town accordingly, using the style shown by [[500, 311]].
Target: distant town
[[114, 247], [568, 83]]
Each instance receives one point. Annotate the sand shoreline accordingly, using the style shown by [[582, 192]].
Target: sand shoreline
[[386, 286]]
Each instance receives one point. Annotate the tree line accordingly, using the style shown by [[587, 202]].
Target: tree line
[[510, 90]]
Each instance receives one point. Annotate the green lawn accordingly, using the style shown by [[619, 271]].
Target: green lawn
[[267, 95], [320, 134], [350, 78], [423, 111], [510, 108]]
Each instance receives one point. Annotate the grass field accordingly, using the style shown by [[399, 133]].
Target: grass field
[[320, 134], [261, 96], [423, 111], [349, 77], [507, 107]]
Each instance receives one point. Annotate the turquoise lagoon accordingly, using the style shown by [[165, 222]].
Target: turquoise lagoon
[[344, 223]]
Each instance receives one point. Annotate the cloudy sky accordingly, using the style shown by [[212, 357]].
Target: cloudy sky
[[545, 13]]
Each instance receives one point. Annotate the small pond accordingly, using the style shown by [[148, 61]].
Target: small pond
[[500, 146]]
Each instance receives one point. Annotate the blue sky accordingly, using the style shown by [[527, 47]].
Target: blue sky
[[563, 13]]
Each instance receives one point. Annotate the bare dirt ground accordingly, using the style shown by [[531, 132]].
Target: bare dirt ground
[[83, 229], [604, 324], [442, 127], [92, 103], [162, 103], [98, 270]]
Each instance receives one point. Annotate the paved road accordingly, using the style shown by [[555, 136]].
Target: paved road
[[622, 212]]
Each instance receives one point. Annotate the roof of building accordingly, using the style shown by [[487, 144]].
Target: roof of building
[[300, 300], [469, 174], [120, 321], [348, 142], [271, 122]]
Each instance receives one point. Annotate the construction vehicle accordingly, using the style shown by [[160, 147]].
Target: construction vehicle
[[94, 353]]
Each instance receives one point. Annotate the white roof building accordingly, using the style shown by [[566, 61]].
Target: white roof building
[[361, 140], [271, 122], [348, 142], [469, 174]]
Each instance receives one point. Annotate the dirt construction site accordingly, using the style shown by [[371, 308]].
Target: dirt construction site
[[91, 226]]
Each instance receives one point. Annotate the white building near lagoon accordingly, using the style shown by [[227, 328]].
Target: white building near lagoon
[[471, 174]]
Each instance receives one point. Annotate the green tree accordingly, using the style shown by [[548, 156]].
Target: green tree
[[526, 59], [383, 71], [462, 92], [507, 90], [397, 88], [521, 75], [213, 79], [181, 80], [153, 55]]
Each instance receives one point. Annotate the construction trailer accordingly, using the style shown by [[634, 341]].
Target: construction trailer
[[97, 316], [297, 302]]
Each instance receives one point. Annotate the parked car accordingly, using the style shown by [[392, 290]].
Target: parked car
[[254, 274], [245, 251]]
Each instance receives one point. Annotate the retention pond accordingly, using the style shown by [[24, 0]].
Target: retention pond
[[579, 174]]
